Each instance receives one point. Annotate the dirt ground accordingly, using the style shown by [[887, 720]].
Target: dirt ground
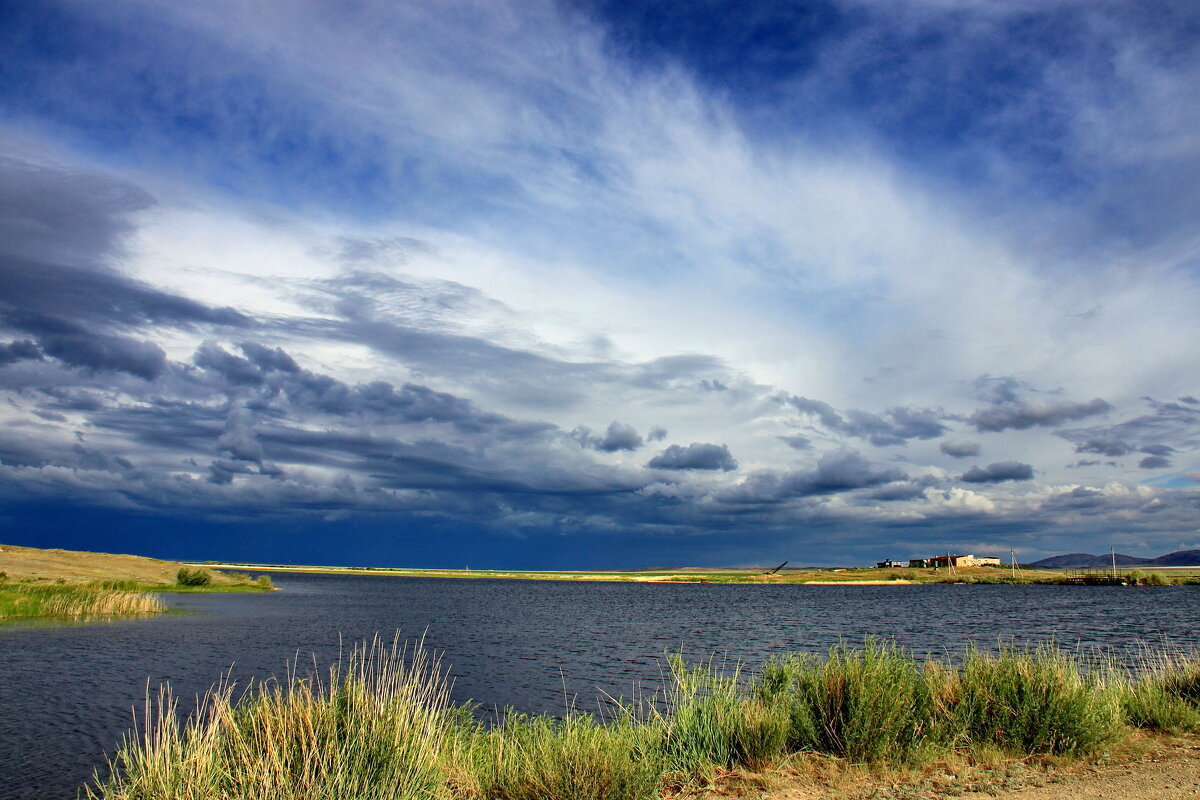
[[71, 565], [1149, 768]]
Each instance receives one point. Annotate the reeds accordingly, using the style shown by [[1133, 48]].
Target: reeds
[[381, 726], [73, 600]]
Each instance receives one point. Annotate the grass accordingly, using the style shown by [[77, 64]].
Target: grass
[[381, 725], [23, 600]]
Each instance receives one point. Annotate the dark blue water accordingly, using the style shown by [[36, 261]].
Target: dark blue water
[[67, 693]]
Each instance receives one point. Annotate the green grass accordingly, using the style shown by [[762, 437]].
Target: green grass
[[380, 725], [19, 600]]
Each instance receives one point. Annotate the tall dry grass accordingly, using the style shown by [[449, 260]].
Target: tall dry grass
[[381, 725], [73, 600], [378, 726]]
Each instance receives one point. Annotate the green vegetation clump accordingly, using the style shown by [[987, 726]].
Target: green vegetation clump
[[74, 600], [1035, 701], [265, 582], [193, 577], [380, 725]]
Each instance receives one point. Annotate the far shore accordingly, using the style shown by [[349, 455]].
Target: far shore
[[814, 576]]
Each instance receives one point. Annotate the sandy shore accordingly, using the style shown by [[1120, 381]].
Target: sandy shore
[[1149, 769]]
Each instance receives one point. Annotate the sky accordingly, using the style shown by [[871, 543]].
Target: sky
[[599, 284]]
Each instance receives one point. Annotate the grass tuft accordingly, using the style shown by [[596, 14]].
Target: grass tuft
[[20, 600], [1036, 701], [381, 726]]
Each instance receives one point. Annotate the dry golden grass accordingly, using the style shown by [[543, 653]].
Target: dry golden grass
[[30, 563]]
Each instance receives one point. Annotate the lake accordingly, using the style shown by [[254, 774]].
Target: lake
[[68, 692]]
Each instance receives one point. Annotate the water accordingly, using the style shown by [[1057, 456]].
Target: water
[[67, 692]]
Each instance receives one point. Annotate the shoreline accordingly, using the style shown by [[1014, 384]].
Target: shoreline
[[865, 576]]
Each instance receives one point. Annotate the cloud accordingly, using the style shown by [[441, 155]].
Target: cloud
[[697, 455], [99, 353], [1020, 415], [618, 436], [386, 266], [894, 427], [836, 472], [956, 449], [998, 472], [1154, 462], [18, 351], [1106, 446]]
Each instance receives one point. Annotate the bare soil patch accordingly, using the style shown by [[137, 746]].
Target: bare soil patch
[[1144, 768]]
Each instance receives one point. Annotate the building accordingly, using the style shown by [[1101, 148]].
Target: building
[[889, 564], [960, 561]]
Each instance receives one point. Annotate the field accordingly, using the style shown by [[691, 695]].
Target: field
[[816, 576], [66, 583]]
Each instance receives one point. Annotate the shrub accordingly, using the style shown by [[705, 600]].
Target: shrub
[[571, 759], [710, 722], [1146, 704], [1036, 701], [193, 577], [265, 582], [868, 705], [376, 727]]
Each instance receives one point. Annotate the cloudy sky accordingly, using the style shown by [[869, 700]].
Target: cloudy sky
[[598, 283]]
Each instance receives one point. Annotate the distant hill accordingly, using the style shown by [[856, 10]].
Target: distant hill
[[1180, 558]]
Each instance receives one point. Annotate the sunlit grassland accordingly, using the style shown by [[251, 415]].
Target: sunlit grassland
[[27, 599], [894, 576], [381, 725]]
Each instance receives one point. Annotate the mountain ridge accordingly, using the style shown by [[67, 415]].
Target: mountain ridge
[[1178, 558]]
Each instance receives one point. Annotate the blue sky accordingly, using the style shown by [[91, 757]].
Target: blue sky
[[598, 284]]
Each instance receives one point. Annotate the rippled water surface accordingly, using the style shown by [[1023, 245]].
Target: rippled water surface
[[67, 693]]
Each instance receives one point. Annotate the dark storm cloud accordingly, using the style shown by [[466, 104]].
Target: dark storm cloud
[[1011, 408], [959, 449], [697, 455], [1167, 428], [103, 353], [896, 492], [838, 471], [59, 235], [1154, 462], [1105, 446], [56, 215], [895, 427], [618, 436], [276, 373], [530, 378], [20, 350], [999, 471], [1020, 415]]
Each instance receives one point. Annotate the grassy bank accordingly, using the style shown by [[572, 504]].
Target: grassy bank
[[28, 599], [40, 597], [381, 725], [849, 576]]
